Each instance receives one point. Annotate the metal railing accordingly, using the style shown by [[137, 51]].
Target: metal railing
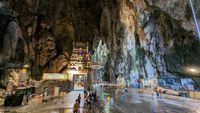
[[194, 17]]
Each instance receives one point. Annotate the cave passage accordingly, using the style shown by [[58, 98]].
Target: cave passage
[[99, 56]]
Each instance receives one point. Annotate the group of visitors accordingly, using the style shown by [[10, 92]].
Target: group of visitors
[[90, 97], [46, 94], [157, 92]]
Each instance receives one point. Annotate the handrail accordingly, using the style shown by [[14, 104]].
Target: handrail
[[195, 18]]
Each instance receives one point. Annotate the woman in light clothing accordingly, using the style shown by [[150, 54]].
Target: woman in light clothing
[[45, 95], [62, 94], [111, 101], [122, 99]]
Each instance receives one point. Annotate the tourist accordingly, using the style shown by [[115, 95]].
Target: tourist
[[97, 100], [76, 106], [139, 83], [152, 94], [160, 92], [157, 93], [116, 92], [94, 97], [89, 99], [85, 96], [108, 99], [126, 89], [122, 98], [62, 94], [79, 98], [45, 95], [111, 101]]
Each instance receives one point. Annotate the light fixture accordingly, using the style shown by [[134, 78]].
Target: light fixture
[[193, 70], [26, 66]]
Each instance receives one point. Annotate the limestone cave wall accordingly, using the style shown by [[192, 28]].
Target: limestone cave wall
[[149, 38], [40, 32], [130, 38]]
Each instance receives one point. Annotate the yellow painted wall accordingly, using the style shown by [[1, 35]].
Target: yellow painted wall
[[194, 94]]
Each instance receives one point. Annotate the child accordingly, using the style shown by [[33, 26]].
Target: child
[[76, 106]]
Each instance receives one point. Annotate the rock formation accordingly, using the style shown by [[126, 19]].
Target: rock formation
[[135, 39], [149, 39]]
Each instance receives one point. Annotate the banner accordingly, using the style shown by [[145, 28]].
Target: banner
[[55, 76]]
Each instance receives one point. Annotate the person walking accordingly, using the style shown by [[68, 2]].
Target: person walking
[[122, 99], [104, 100], [79, 98], [126, 89], [111, 101], [85, 97], [76, 107], [62, 94], [160, 93], [90, 100], [157, 93], [45, 95], [94, 97]]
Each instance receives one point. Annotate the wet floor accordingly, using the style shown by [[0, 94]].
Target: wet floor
[[138, 103], [134, 103]]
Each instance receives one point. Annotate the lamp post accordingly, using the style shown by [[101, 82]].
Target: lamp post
[[194, 17]]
